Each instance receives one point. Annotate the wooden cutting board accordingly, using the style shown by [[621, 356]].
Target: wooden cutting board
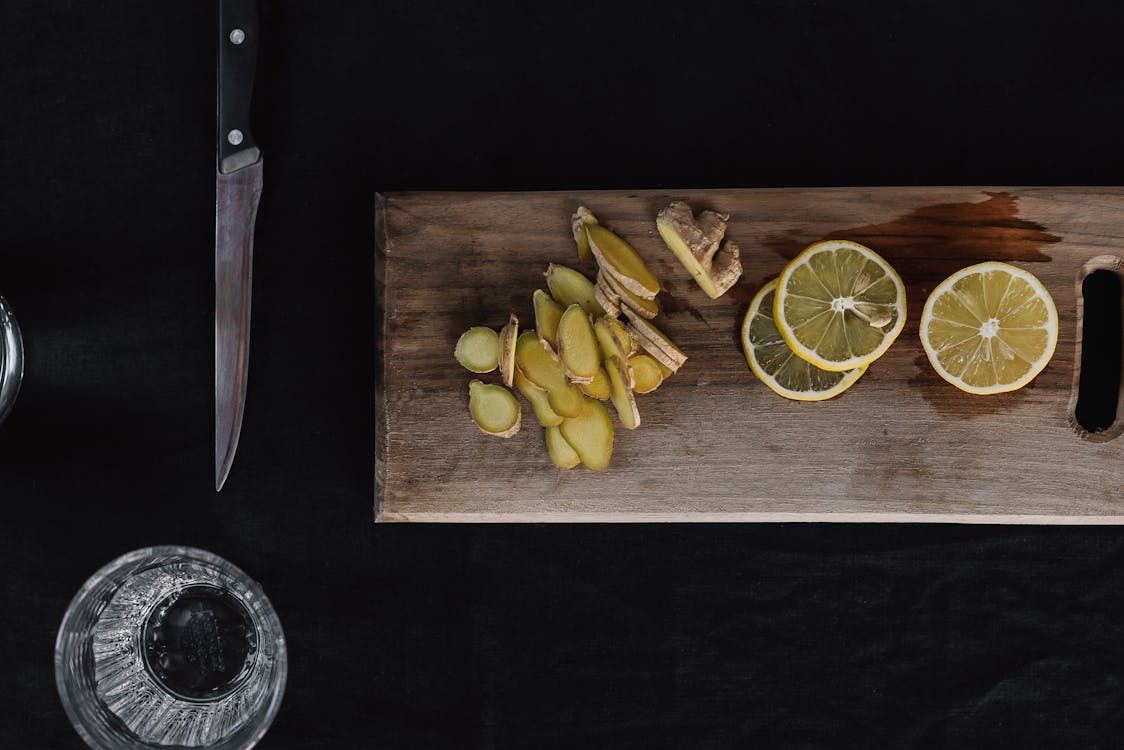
[[715, 444]]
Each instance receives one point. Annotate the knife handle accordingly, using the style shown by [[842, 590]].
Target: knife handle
[[238, 57]]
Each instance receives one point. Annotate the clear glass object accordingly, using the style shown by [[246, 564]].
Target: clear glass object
[[11, 359], [170, 647]]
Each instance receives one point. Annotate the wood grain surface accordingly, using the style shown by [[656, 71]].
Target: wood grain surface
[[715, 444]]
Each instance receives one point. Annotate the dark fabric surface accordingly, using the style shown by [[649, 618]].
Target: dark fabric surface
[[791, 636]]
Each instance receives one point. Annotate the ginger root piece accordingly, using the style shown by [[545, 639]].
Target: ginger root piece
[[568, 286], [622, 397], [494, 409], [698, 244], [561, 453], [578, 222], [478, 349], [646, 372], [617, 258], [539, 400], [652, 340], [534, 357], [508, 335], [726, 268], [577, 346], [547, 314], [647, 308], [598, 388], [591, 435]]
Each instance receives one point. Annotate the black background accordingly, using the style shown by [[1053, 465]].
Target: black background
[[800, 636]]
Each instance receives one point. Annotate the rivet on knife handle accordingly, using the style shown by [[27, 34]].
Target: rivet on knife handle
[[238, 53]]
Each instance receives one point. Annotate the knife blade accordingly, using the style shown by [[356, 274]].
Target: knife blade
[[238, 185]]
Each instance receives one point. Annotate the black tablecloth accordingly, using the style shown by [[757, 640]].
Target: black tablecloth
[[514, 636]]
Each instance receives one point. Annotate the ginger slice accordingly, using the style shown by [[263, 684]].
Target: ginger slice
[[625, 341], [539, 400], [590, 434], [578, 222], [651, 348], [665, 371], [698, 244], [648, 332], [598, 388], [609, 300], [603, 284], [655, 352], [537, 361], [561, 453], [577, 346], [547, 314], [617, 257], [622, 397], [647, 308], [613, 348], [611, 345], [478, 349], [566, 400], [568, 286], [646, 371], [494, 409], [508, 335]]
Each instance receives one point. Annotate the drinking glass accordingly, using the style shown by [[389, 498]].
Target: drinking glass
[[11, 359], [170, 647]]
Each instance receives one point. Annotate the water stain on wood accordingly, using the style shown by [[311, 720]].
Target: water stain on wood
[[671, 304], [743, 292], [950, 401], [474, 308], [941, 234]]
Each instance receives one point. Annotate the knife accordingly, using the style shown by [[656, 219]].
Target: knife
[[238, 183]]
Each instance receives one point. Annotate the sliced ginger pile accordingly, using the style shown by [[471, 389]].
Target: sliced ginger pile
[[579, 354]]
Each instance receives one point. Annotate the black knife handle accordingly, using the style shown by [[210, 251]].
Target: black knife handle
[[238, 57]]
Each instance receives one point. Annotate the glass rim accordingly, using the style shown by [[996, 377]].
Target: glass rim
[[11, 358]]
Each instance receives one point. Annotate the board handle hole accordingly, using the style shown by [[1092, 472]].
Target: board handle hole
[[1100, 355]]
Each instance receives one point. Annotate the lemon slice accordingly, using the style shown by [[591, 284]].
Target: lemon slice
[[774, 363], [989, 328], [839, 305]]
